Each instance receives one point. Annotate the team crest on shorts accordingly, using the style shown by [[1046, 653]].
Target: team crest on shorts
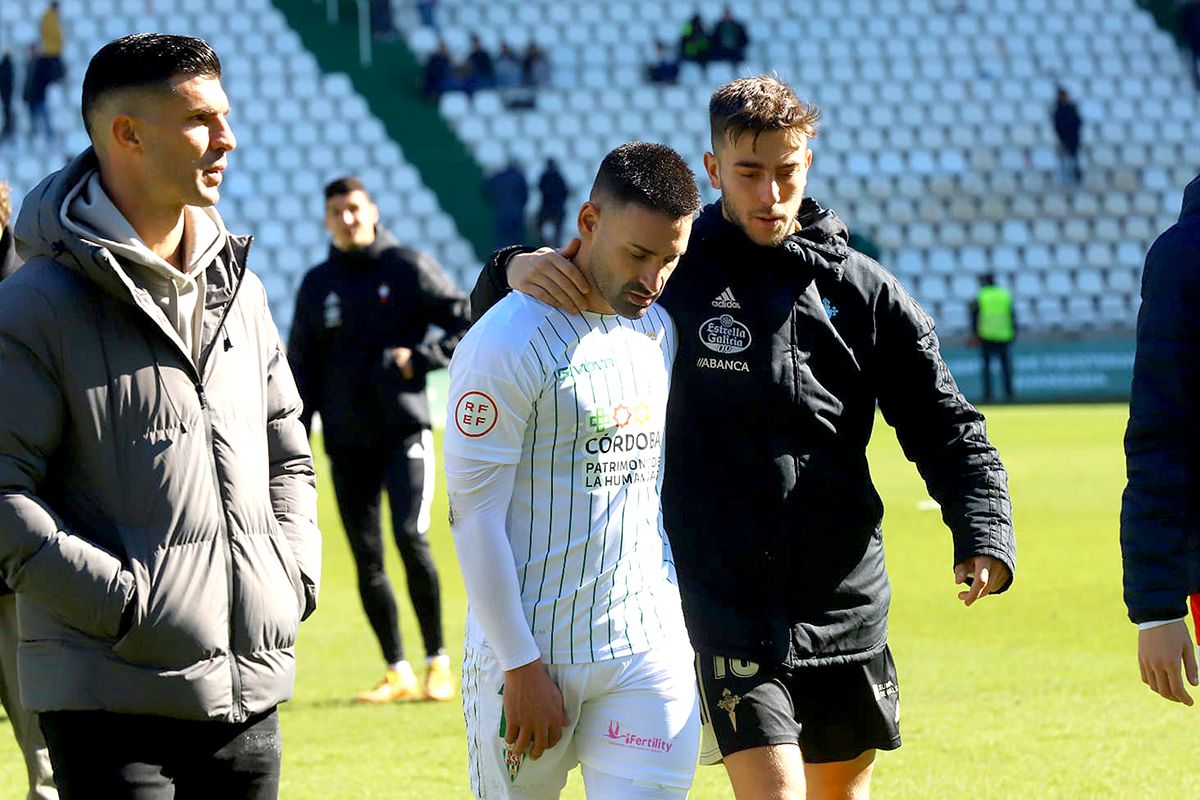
[[729, 703], [513, 762]]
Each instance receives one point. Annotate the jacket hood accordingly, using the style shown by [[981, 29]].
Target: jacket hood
[[44, 230], [1191, 199], [384, 240], [822, 238]]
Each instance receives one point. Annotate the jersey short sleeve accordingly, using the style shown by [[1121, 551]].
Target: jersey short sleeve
[[494, 383]]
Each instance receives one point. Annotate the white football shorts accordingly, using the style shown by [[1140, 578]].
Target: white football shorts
[[635, 718]]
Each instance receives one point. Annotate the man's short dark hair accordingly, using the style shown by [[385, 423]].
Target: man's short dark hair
[[651, 175], [144, 60], [346, 185], [754, 105]]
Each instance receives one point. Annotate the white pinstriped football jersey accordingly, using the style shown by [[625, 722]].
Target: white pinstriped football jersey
[[578, 403]]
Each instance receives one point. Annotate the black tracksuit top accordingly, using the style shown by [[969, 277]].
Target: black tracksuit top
[[784, 355], [349, 309]]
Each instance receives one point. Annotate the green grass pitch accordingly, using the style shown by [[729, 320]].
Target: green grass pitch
[[1034, 694]]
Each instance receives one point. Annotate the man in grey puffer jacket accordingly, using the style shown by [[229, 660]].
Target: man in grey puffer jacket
[[157, 494]]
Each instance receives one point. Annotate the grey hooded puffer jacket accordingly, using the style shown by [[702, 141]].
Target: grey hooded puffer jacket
[[157, 519]]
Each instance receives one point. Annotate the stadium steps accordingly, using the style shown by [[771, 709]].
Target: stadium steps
[[390, 87]]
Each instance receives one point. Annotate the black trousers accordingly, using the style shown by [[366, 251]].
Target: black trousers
[[999, 351], [137, 757], [406, 471]]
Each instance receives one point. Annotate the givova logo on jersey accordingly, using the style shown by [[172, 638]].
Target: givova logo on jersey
[[725, 335]]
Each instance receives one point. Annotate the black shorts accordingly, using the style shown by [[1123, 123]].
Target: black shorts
[[833, 713]]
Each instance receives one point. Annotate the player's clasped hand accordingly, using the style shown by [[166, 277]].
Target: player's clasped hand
[[1161, 650], [983, 574], [533, 710], [548, 275]]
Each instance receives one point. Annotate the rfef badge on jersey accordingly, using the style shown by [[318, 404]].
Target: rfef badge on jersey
[[475, 414]]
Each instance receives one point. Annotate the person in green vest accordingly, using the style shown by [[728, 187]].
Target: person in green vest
[[995, 325]]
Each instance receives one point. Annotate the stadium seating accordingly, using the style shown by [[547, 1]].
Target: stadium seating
[[297, 128], [936, 139]]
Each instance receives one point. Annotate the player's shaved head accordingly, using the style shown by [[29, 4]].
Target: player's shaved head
[[129, 73], [651, 175]]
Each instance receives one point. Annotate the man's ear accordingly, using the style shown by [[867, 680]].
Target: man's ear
[[588, 221], [711, 168], [124, 132]]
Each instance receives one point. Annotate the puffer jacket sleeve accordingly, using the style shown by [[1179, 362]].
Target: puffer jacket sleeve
[[1160, 511], [940, 431], [293, 479], [85, 585]]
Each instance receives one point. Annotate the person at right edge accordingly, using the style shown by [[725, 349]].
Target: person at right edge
[[791, 339], [360, 350], [1160, 512]]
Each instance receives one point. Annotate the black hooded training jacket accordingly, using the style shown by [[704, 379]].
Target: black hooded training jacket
[[352, 307], [784, 354]]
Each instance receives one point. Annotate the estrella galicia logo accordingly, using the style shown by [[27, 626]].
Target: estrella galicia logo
[[724, 334]]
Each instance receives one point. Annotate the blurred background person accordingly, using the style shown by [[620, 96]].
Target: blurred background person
[[1067, 127], [507, 191], [360, 348], [995, 324], [553, 209]]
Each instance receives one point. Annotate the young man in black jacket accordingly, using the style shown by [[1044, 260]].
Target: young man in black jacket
[[789, 340], [360, 351], [1160, 517]]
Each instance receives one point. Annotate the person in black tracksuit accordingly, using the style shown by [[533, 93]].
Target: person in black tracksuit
[[1160, 514], [360, 348], [789, 341]]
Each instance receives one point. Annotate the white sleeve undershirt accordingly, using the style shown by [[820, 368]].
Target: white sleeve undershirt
[[1143, 626], [480, 492]]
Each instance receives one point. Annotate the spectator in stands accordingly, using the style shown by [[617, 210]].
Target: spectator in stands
[[480, 73], [1189, 26], [694, 43], [426, 11], [6, 94], [383, 24], [164, 553], [508, 68], [36, 85], [24, 723], [1160, 516], [995, 324], [507, 192], [666, 68], [553, 210], [729, 39], [438, 72], [1067, 126], [360, 348], [535, 69], [51, 34]]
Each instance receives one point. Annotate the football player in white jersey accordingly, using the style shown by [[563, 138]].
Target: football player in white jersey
[[576, 651]]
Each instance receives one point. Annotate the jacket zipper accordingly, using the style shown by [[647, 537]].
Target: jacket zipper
[[226, 527], [236, 702]]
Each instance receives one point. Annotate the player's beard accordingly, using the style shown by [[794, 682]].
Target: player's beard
[[615, 296], [743, 219]]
